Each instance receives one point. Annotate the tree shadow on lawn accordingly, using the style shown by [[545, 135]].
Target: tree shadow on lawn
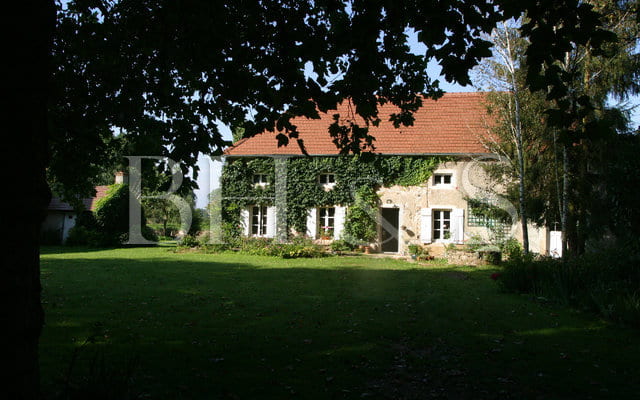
[[209, 329]]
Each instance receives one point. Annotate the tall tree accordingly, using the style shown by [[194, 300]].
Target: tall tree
[[559, 164], [167, 70], [503, 75], [587, 122]]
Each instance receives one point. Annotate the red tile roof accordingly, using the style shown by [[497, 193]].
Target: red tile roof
[[451, 125], [56, 204]]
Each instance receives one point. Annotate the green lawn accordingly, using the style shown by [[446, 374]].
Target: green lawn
[[250, 327]]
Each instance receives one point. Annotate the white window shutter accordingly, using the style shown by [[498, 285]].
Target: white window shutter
[[271, 222], [426, 225], [245, 220], [338, 222], [312, 222], [457, 225]]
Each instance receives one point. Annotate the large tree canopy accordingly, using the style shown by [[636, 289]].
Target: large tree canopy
[[162, 72]]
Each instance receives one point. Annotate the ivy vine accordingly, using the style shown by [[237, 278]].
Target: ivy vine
[[303, 188]]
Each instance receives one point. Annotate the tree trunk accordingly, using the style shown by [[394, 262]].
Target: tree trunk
[[27, 43], [164, 226], [565, 200], [583, 201], [520, 148]]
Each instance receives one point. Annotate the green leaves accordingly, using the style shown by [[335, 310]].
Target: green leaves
[[167, 71]]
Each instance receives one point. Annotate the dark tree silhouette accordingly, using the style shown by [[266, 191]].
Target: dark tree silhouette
[[26, 55]]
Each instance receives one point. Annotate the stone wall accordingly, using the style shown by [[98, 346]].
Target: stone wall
[[461, 257], [469, 180], [410, 200]]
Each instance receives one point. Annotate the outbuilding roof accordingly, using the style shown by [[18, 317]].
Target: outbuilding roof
[[56, 204]]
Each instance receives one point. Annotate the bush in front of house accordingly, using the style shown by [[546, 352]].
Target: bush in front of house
[[340, 246], [298, 248], [607, 283], [361, 227], [512, 249], [417, 250]]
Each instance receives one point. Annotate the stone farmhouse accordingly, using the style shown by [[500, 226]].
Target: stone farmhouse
[[434, 213]]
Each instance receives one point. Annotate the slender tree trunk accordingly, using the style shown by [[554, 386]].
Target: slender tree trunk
[[27, 39], [557, 179], [565, 200], [583, 203], [521, 190]]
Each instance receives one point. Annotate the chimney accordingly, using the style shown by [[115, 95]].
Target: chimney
[[122, 177]]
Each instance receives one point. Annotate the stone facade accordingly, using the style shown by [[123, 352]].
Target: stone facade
[[467, 180]]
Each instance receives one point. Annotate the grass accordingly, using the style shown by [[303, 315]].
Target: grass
[[250, 327]]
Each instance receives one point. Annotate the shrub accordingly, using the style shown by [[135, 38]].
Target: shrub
[[475, 242], [290, 250], [492, 257], [418, 250], [302, 240], [199, 221], [189, 241], [267, 247], [360, 226], [255, 246], [214, 248], [512, 249], [112, 211], [87, 219], [606, 283], [109, 225], [82, 236], [340, 246]]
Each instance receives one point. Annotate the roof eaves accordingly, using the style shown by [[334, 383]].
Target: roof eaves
[[381, 154]]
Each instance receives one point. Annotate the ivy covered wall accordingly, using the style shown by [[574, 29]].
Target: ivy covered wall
[[303, 189]]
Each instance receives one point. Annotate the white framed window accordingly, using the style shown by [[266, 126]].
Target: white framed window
[[332, 217], [259, 221], [260, 179], [441, 224], [442, 179], [326, 219]]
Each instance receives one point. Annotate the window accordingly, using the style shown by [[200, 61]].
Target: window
[[327, 179], [441, 224], [259, 220], [260, 180], [441, 179], [327, 221]]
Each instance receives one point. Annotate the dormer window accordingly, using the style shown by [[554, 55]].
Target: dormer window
[[327, 181], [260, 180], [442, 179]]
